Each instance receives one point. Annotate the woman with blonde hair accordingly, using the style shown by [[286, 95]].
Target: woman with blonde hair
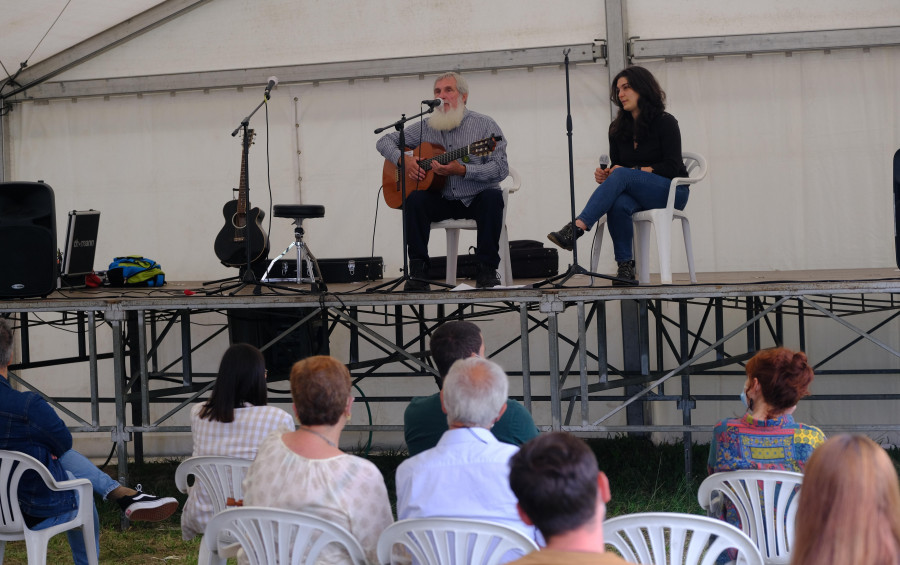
[[849, 508], [305, 469]]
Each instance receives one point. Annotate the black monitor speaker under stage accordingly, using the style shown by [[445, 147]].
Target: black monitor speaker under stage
[[259, 326], [28, 253]]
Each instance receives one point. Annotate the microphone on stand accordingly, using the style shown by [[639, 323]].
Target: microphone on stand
[[272, 82], [436, 103]]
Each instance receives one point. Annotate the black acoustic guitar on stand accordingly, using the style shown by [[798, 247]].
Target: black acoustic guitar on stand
[[231, 243]]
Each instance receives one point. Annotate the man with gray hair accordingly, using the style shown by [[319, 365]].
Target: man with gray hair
[[467, 474], [471, 184]]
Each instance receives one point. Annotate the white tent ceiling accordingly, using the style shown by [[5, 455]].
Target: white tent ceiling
[[23, 24]]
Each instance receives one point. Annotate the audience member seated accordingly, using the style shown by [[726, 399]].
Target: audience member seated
[[305, 470], [424, 422], [233, 422], [467, 474], [766, 436], [849, 508], [562, 491], [31, 426]]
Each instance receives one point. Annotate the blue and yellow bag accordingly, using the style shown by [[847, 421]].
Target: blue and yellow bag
[[135, 270]]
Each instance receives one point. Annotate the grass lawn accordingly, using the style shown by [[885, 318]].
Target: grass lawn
[[643, 477]]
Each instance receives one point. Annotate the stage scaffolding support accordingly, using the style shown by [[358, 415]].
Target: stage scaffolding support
[[686, 334]]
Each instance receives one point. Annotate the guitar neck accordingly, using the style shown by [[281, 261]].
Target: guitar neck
[[242, 187], [445, 158]]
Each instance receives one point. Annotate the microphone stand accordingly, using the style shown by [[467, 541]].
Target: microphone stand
[[249, 276], [399, 125], [574, 269]]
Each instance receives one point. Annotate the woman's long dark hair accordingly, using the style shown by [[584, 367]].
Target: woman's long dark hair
[[651, 102], [241, 379]]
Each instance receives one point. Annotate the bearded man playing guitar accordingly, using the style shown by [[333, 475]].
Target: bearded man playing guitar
[[471, 184]]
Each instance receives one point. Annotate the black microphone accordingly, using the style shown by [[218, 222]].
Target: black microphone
[[272, 82], [436, 103]]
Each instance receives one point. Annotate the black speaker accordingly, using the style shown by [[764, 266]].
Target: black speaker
[[28, 264], [259, 326]]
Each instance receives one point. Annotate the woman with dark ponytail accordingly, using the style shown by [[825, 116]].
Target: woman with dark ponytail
[[233, 422]]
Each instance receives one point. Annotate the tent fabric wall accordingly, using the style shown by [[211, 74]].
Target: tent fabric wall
[[802, 154]]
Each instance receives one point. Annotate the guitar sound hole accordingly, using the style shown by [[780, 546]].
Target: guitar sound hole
[[239, 221]]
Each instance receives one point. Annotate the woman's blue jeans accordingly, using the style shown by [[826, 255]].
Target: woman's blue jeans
[[625, 192]]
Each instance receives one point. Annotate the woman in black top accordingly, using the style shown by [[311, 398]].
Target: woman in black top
[[645, 150]]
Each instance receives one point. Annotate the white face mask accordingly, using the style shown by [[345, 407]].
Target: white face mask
[[744, 398]]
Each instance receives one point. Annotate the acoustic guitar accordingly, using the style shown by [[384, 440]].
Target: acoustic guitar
[[231, 243], [427, 153]]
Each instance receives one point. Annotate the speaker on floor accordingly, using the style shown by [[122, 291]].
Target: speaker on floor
[[259, 326], [28, 260]]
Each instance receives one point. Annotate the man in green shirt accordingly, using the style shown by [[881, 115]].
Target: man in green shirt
[[424, 421]]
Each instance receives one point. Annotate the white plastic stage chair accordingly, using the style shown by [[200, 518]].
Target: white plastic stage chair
[[676, 539], [12, 525], [661, 219], [511, 184], [452, 541], [273, 535], [766, 502]]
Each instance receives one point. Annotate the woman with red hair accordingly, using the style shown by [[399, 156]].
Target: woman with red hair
[[766, 436]]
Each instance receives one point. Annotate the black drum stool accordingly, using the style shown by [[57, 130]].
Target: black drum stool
[[305, 257]]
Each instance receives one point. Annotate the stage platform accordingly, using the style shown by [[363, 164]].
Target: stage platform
[[670, 336]]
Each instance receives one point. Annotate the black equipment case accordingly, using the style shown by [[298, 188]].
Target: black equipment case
[[344, 270], [530, 260]]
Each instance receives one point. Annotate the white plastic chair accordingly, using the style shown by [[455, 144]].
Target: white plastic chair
[[512, 183], [12, 525], [221, 477], [452, 541], [766, 502], [661, 219], [672, 538], [276, 536]]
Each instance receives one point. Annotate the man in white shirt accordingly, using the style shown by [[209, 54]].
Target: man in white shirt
[[467, 474]]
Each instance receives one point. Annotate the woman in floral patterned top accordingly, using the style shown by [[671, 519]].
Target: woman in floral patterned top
[[766, 437], [305, 469]]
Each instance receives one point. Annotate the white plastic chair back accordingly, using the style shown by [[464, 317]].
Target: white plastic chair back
[[452, 541], [512, 183], [766, 502], [661, 219], [221, 477], [12, 526], [676, 539], [274, 536]]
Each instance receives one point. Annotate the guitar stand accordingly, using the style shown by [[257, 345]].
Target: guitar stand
[[305, 258]]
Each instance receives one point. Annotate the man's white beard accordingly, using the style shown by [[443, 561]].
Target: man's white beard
[[446, 121]]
